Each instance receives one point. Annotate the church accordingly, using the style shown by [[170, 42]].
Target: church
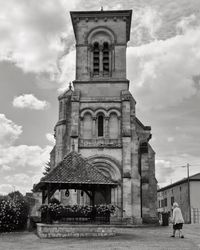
[[97, 119]]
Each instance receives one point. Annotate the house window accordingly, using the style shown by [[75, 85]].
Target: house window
[[100, 125], [96, 59], [172, 200], [105, 58], [165, 202]]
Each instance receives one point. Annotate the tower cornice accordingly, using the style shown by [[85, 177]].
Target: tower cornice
[[126, 15]]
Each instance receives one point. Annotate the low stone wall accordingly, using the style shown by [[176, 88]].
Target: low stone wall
[[67, 230]]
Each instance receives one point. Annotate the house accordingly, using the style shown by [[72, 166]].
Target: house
[[186, 193]]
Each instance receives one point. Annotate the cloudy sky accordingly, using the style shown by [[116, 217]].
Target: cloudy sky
[[37, 59]]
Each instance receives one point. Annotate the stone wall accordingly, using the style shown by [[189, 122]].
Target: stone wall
[[71, 231]]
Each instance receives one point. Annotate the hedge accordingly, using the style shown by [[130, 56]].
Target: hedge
[[13, 212]]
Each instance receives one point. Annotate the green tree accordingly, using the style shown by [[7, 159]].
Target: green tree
[[47, 168]]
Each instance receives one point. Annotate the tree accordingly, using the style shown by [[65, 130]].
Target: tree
[[47, 168]]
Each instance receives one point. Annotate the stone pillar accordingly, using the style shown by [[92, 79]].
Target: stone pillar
[[145, 181], [94, 127], [60, 132], [74, 133], [126, 155], [106, 127], [101, 60], [75, 119], [119, 127], [136, 191], [81, 127], [152, 192]]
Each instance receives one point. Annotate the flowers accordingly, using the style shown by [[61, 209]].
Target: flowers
[[59, 211]]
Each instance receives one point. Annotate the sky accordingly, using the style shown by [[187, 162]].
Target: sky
[[37, 62]]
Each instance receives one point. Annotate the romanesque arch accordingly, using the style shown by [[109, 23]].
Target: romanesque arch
[[103, 31], [108, 165]]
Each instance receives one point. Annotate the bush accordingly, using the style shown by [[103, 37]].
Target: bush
[[13, 212]]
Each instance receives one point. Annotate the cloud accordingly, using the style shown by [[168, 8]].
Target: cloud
[[146, 23], [18, 178], [164, 171], [31, 33], [162, 71], [5, 168], [67, 68], [186, 23], [6, 188], [50, 138], [24, 163], [170, 139], [29, 101], [24, 156], [9, 131]]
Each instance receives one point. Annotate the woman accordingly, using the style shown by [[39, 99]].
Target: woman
[[177, 220]]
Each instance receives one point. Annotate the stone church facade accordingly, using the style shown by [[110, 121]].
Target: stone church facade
[[97, 117]]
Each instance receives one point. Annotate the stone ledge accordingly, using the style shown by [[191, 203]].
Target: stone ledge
[[73, 231]]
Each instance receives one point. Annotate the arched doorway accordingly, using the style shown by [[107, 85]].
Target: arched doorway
[[110, 167]]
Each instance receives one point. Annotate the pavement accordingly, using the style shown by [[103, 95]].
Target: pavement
[[136, 238]]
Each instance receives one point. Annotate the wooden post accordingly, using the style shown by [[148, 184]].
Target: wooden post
[[43, 196], [48, 200]]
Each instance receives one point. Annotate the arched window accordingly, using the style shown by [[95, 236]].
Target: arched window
[[96, 58], [113, 126], [87, 126], [105, 58], [100, 125]]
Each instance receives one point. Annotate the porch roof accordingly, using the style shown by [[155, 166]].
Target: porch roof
[[73, 170]]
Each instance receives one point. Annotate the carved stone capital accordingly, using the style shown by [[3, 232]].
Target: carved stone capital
[[101, 47], [107, 118], [126, 132], [127, 174], [126, 95], [76, 96], [90, 47]]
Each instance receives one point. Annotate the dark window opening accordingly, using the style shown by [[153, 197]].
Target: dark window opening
[[165, 202], [96, 58], [100, 125], [105, 58], [172, 200]]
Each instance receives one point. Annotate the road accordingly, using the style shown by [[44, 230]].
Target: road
[[137, 238]]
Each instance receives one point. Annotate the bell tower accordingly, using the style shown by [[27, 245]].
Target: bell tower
[[101, 41]]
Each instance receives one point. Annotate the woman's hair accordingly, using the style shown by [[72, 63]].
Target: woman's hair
[[175, 204]]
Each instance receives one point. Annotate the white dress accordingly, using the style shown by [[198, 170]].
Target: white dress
[[177, 216]]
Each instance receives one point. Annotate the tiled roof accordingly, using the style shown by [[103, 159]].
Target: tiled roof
[[195, 177], [75, 169]]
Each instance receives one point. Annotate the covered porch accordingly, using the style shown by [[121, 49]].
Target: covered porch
[[75, 173]]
